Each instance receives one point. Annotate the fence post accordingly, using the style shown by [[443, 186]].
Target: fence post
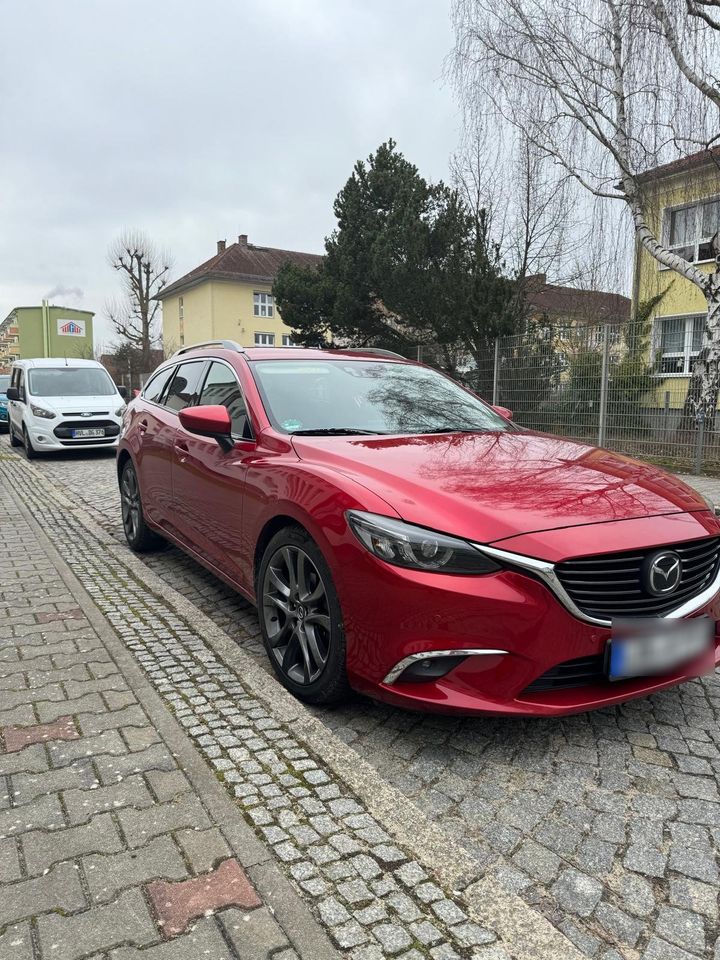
[[604, 385], [496, 370], [666, 429], [699, 441]]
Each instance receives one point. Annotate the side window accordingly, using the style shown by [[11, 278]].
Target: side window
[[185, 386], [19, 382], [156, 385], [222, 387]]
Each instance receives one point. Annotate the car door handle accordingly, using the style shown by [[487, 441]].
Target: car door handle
[[181, 449]]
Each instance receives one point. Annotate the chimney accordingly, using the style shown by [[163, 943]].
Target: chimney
[[221, 246], [242, 240]]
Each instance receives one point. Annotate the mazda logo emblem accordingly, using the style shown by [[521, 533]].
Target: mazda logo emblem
[[663, 572]]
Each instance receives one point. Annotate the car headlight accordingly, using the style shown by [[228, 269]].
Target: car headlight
[[712, 507], [405, 545], [42, 412]]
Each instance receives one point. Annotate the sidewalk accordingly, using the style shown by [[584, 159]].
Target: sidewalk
[[165, 799], [114, 835]]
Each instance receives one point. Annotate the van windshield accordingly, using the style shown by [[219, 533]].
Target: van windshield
[[70, 382]]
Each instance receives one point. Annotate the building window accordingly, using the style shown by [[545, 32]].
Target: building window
[[287, 340], [264, 339], [181, 308], [679, 340], [181, 320], [263, 305], [689, 230]]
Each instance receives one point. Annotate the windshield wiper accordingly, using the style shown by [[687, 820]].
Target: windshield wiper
[[334, 432]]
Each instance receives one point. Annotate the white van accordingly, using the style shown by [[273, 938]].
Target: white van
[[58, 404]]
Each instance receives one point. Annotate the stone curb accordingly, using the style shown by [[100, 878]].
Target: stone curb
[[524, 931]]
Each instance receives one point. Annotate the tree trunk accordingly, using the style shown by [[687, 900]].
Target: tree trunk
[[704, 386]]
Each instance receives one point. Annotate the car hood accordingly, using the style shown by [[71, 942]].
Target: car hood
[[79, 405], [490, 486]]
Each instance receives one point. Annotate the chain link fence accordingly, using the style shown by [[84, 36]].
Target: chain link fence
[[605, 385]]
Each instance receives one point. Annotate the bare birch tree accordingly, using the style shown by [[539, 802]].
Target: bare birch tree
[[625, 85], [144, 271]]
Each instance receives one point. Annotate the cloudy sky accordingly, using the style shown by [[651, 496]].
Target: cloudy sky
[[197, 120]]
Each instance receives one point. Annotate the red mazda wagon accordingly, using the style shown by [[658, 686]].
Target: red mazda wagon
[[401, 537]]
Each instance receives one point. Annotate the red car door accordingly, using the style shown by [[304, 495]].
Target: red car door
[[154, 428], [208, 480]]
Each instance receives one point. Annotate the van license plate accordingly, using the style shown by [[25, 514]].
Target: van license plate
[[88, 433], [648, 647]]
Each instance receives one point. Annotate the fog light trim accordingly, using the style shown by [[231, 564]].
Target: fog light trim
[[400, 667]]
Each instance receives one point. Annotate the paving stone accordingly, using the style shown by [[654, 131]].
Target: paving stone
[[59, 889], [29, 786], [203, 942], [682, 928], [576, 892], [692, 853], [253, 935], [127, 920], [333, 913], [621, 927], [393, 938], [42, 813], [50, 710], [109, 742], [41, 849], [96, 722], [350, 934], [83, 804], [177, 904], [108, 875], [113, 769], [694, 895], [29, 760], [9, 862], [167, 784], [203, 848], [16, 942], [538, 861], [139, 826], [657, 949]]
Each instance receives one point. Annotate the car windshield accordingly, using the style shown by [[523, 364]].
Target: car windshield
[[70, 382], [368, 396], [4, 383]]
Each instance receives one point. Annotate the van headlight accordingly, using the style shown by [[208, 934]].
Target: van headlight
[[42, 412], [406, 545], [121, 410]]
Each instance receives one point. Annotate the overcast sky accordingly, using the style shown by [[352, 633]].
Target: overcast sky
[[197, 120]]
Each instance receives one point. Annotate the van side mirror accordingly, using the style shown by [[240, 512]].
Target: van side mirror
[[12, 393], [122, 390]]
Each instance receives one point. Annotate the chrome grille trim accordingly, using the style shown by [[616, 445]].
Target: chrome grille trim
[[546, 572]]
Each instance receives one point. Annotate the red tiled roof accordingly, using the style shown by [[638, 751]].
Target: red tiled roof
[[692, 162], [242, 261], [592, 306]]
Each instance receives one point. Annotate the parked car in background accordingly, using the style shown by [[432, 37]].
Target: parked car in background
[[4, 384], [58, 404], [404, 538]]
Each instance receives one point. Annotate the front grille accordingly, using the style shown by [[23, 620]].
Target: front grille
[[63, 431], [571, 673], [94, 413], [611, 585]]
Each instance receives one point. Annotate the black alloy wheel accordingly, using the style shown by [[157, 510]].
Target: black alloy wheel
[[300, 618]]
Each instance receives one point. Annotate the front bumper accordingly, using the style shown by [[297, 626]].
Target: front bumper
[[510, 612], [44, 436]]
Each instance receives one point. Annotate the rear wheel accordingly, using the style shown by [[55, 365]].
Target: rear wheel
[[301, 620], [30, 451], [138, 534]]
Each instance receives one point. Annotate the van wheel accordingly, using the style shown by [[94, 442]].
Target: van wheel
[[14, 442], [30, 451]]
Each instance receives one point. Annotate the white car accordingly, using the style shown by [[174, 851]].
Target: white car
[[58, 404]]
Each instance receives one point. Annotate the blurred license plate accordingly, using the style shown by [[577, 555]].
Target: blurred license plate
[[642, 648], [88, 433]]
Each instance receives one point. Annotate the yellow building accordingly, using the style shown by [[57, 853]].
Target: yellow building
[[229, 297], [682, 205]]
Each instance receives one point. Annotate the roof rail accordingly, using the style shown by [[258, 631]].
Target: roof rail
[[223, 344], [376, 350]]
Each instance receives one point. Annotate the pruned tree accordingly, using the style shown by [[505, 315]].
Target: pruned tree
[[606, 90], [144, 272]]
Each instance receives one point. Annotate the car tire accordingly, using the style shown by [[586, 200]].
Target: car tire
[[140, 538], [14, 442], [30, 451], [301, 619]]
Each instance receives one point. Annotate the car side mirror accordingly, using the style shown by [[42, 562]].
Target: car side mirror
[[503, 411], [122, 390], [12, 393], [212, 420]]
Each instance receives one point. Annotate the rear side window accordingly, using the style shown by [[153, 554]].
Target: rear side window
[[156, 385], [185, 386], [222, 388]]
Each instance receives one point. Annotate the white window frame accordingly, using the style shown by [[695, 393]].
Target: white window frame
[[287, 340], [687, 353], [269, 342], [181, 309], [263, 304], [697, 205]]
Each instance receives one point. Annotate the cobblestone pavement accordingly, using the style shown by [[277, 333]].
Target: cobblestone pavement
[[145, 827], [609, 822]]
